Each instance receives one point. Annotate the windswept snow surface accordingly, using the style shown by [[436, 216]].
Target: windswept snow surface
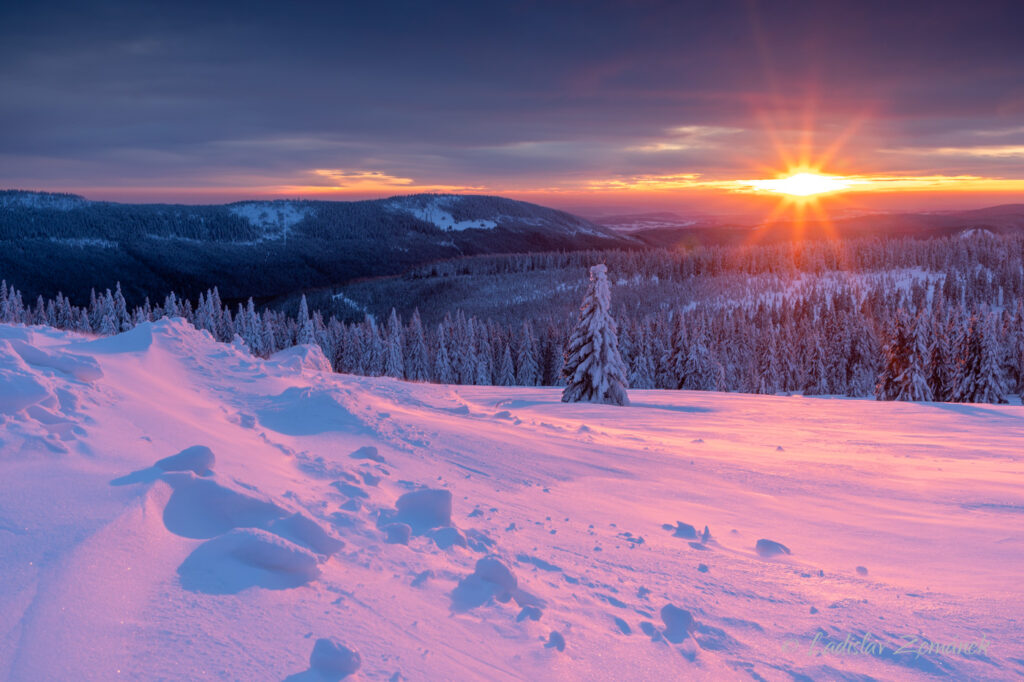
[[289, 517]]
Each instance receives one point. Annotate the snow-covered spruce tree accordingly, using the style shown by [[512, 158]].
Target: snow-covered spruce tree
[[527, 371], [443, 372], [305, 324], [980, 379], [766, 379], [418, 366], [816, 381], [121, 316], [506, 375], [897, 360], [394, 362], [914, 381], [940, 365], [703, 372], [678, 351], [594, 371], [641, 374]]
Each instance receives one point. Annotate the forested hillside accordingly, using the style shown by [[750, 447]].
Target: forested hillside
[[939, 319], [52, 243]]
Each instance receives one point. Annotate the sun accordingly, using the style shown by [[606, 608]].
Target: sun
[[803, 184]]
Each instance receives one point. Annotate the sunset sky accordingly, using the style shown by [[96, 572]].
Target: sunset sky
[[588, 106]]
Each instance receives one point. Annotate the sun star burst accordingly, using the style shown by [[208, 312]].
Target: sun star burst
[[803, 184]]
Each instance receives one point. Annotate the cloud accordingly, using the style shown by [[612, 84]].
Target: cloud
[[449, 97], [993, 151], [685, 138], [646, 182], [339, 181]]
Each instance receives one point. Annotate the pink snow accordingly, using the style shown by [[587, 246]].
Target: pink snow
[[114, 567]]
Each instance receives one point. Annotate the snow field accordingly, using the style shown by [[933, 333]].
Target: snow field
[[181, 509]]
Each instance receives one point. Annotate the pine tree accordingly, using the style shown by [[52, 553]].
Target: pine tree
[[418, 366], [482, 375], [980, 377], [702, 372], [766, 372], [506, 371], [940, 366], [305, 334], [108, 325], [594, 371], [861, 365], [816, 382], [372, 358], [914, 380], [527, 369], [897, 360], [394, 363], [268, 342], [443, 372], [678, 351], [124, 322]]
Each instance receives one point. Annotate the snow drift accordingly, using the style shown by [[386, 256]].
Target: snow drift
[[176, 508]]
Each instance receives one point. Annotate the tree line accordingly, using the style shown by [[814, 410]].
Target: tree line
[[766, 320]]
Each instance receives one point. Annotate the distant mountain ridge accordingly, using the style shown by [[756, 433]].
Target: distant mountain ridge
[[678, 233], [52, 242]]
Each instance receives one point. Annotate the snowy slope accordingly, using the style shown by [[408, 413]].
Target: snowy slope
[[435, 210], [51, 201], [233, 566], [276, 217]]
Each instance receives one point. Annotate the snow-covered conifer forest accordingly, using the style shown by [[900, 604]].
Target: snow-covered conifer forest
[[898, 319]]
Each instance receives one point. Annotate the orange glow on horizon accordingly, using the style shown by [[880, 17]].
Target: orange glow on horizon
[[804, 184]]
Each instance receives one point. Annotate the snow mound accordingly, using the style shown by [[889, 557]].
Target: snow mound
[[8, 331], [425, 509], [555, 641], [306, 411], [298, 359], [333, 660], [678, 623], [491, 579], [397, 533], [244, 558], [447, 537], [20, 387], [136, 340], [305, 531], [198, 459], [80, 367], [99, 578], [683, 530], [368, 452], [770, 548], [202, 508]]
